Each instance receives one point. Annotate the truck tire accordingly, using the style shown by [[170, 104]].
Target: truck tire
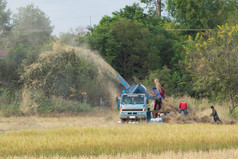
[[123, 121]]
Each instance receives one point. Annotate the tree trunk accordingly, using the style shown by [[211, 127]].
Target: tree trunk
[[158, 8], [232, 103]]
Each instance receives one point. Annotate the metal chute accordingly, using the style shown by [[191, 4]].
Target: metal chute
[[123, 82]]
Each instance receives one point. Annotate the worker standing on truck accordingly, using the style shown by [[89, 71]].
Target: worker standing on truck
[[157, 105], [215, 115], [183, 107]]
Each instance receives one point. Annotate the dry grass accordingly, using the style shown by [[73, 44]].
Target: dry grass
[[213, 154], [98, 135], [96, 119], [124, 139], [102, 118], [202, 106]]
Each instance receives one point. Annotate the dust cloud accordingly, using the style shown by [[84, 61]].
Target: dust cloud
[[110, 80]]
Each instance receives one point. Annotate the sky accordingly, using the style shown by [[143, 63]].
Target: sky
[[67, 14]]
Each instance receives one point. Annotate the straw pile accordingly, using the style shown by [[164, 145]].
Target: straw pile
[[174, 117]]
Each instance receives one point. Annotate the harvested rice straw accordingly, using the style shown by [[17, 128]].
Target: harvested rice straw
[[157, 84]]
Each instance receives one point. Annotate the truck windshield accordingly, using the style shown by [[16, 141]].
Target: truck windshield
[[132, 99]]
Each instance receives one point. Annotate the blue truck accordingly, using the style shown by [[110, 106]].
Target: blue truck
[[133, 104]]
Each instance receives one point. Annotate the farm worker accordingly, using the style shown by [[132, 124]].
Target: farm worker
[[124, 92], [148, 115], [152, 104], [158, 97], [157, 105], [154, 108], [162, 91], [215, 115], [183, 107]]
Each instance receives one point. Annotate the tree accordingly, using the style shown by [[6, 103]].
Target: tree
[[126, 45], [134, 47], [5, 15], [133, 12], [12, 63], [31, 31], [232, 19], [31, 26], [212, 60], [154, 5], [114, 33], [73, 37], [201, 14]]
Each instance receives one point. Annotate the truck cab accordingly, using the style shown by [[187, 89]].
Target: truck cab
[[133, 107], [133, 102]]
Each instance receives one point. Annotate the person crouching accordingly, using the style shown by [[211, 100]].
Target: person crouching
[[183, 107]]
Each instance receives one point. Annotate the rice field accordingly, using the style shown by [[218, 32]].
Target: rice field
[[98, 135], [151, 139]]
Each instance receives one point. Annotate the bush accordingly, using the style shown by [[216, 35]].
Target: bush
[[10, 110], [44, 105], [34, 101], [61, 105], [175, 83], [9, 103], [234, 113]]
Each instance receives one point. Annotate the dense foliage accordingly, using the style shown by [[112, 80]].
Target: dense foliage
[[5, 25], [135, 42], [201, 14], [192, 51], [213, 63]]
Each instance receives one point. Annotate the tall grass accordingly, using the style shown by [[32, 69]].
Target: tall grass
[[125, 139]]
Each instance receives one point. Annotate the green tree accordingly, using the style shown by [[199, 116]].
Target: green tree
[[31, 26], [31, 31], [154, 5], [201, 14], [133, 12], [5, 16], [212, 60], [134, 47], [126, 44], [13, 63], [73, 37], [164, 47]]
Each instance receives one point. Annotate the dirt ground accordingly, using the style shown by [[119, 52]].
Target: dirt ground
[[214, 154]]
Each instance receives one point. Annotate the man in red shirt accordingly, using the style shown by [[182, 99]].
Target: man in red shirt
[[183, 107]]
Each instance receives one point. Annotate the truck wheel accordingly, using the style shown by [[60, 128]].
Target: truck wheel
[[123, 121], [143, 120]]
